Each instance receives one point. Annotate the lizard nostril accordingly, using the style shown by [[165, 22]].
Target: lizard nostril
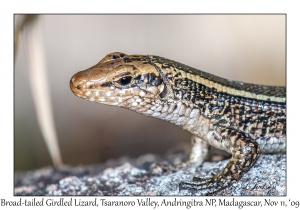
[[75, 85]]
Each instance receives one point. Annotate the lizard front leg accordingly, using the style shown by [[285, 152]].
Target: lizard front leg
[[245, 151], [200, 149]]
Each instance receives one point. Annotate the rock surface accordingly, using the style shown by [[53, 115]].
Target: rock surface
[[150, 175]]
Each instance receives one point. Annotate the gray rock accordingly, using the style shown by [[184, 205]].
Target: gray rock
[[150, 175]]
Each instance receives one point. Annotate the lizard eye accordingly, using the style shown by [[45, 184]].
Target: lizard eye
[[125, 80]]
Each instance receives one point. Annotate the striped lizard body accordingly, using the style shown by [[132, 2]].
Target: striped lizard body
[[241, 118]]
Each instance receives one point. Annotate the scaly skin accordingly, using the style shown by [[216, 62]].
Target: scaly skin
[[240, 118]]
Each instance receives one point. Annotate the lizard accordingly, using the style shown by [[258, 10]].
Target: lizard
[[241, 118]]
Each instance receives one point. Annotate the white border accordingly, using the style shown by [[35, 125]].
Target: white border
[[8, 8]]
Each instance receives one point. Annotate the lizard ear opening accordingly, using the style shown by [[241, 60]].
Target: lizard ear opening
[[164, 91]]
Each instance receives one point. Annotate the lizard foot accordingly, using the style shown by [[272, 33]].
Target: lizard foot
[[244, 155], [207, 185]]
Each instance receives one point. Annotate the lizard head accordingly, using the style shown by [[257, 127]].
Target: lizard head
[[117, 78]]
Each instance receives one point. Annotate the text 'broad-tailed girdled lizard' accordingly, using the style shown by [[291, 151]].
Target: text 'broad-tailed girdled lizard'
[[241, 118]]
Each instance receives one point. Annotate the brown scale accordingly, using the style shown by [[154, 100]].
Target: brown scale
[[258, 89], [247, 122], [252, 110], [245, 125]]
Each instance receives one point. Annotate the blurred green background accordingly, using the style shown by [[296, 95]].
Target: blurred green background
[[250, 48]]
